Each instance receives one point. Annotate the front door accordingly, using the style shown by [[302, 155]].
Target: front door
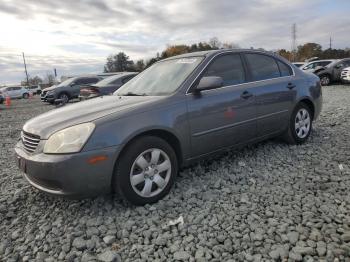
[[224, 116], [338, 68]]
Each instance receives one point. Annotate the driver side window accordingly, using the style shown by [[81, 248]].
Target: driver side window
[[229, 68]]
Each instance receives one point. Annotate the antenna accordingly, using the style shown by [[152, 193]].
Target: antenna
[[294, 42]]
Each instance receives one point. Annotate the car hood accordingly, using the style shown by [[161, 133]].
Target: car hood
[[46, 124], [49, 88]]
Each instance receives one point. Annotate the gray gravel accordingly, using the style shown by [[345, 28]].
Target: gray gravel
[[265, 202]]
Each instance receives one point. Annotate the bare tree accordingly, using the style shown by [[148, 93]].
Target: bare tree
[[49, 78], [214, 43]]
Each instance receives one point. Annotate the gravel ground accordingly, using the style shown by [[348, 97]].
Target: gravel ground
[[265, 202]]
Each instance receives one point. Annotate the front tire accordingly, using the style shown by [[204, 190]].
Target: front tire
[[64, 97], [146, 170], [25, 95], [300, 125]]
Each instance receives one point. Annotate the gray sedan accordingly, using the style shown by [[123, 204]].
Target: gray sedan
[[178, 111]]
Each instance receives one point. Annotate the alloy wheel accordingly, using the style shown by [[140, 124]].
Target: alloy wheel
[[302, 123], [150, 172]]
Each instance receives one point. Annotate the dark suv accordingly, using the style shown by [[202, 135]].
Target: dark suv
[[331, 72], [68, 89]]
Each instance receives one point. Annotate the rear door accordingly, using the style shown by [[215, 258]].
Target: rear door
[[16, 92], [275, 90], [224, 116]]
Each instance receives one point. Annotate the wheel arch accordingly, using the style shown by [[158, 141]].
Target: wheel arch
[[64, 92], [164, 134], [309, 103], [320, 74]]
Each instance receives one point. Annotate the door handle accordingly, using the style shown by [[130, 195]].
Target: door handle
[[246, 95], [291, 86]]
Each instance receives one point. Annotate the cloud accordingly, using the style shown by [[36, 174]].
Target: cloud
[[66, 33]]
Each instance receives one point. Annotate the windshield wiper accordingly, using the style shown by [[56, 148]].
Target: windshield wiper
[[133, 94]]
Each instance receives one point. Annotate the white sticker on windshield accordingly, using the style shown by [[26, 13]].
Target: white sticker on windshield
[[186, 60]]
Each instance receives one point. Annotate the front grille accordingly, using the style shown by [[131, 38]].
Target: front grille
[[30, 141]]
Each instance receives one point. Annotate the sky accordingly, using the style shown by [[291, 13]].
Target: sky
[[76, 36]]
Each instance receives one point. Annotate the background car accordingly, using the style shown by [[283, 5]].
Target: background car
[[311, 66], [106, 86], [331, 72], [16, 92], [2, 98], [345, 75], [36, 89], [68, 89], [298, 64]]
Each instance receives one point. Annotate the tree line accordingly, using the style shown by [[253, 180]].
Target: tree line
[[121, 62]]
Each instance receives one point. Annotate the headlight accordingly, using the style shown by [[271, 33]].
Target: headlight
[[69, 140]]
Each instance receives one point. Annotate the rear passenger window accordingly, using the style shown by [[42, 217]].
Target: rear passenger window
[[229, 67], [284, 69], [262, 67]]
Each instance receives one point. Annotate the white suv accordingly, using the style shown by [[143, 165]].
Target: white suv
[[16, 92], [345, 75]]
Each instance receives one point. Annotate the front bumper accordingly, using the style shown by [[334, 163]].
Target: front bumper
[[68, 174], [345, 79], [47, 97]]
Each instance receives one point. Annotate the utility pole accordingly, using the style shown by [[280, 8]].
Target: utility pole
[[25, 68], [294, 42], [330, 43]]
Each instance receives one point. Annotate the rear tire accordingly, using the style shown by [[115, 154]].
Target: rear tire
[[300, 125], [325, 80], [145, 171], [25, 95]]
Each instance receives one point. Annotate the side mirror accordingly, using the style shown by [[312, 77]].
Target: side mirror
[[210, 82]]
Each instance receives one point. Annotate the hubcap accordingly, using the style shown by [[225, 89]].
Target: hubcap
[[302, 123], [150, 172]]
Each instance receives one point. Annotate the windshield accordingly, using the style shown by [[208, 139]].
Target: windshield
[[316, 64], [108, 80], [67, 82], [162, 78]]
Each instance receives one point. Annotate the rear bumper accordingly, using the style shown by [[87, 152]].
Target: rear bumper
[[68, 174]]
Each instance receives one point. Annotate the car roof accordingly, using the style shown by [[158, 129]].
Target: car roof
[[324, 60], [112, 78], [220, 51]]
